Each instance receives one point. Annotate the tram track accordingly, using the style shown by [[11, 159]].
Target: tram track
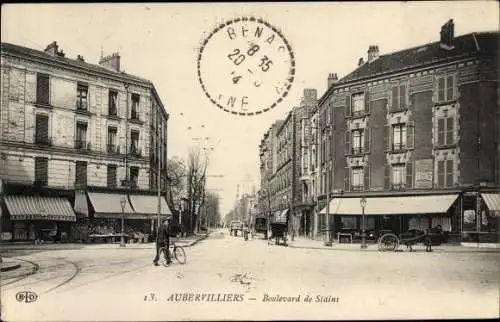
[[34, 270], [78, 270]]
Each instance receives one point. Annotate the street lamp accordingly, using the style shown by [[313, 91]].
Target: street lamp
[[362, 202], [123, 201]]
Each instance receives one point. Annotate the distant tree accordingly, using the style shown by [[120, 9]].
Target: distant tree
[[196, 179], [176, 172]]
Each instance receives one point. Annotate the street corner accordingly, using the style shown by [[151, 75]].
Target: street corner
[[9, 264], [14, 268]]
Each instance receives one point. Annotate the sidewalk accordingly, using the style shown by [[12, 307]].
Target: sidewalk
[[184, 242], [301, 242]]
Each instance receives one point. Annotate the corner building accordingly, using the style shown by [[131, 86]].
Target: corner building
[[416, 133], [80, 146]]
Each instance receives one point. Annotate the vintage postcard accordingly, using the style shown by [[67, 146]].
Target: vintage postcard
[[249, 161]]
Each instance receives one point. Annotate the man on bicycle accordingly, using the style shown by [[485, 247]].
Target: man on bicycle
[[163, 240]]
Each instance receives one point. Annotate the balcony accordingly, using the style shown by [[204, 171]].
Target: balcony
[[357, 187], [398, 186], [398, 147], [134, 118], [82, 107], [357, 150], [42, 140], [135, 152], [113, 149], [82, 145]]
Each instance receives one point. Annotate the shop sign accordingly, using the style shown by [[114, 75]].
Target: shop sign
[[423, 173]]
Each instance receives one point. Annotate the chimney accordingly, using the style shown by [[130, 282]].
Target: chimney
[[332, 79], [361, 61], [111, 62], [447, 35], [373, 53], [52, 49], [80, 58]]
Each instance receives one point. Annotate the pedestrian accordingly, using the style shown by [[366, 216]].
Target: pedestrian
[[163, 240]]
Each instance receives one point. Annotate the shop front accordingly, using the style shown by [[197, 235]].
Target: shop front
[[39, 218], [146, 207], [481, 217], [396, 214]]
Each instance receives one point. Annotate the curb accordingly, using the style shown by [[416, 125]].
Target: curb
[[5, 267], [460, 249], [197, 240]]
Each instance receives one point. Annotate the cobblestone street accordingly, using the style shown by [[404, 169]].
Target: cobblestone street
[[226, 278]]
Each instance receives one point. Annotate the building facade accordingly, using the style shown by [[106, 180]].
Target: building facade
[[75, 139], [411, 128]]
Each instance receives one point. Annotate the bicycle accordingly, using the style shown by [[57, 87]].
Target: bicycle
[[175, 251]]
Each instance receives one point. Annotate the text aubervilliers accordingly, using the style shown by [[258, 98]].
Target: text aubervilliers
[[234, 297]]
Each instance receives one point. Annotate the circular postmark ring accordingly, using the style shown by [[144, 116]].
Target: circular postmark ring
[[246, 66]]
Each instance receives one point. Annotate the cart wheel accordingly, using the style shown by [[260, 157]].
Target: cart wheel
[[388, 242]]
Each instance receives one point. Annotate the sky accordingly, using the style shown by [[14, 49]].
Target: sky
[[161, 42]]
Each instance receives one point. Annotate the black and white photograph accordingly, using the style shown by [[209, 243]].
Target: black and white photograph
[[250, 161]]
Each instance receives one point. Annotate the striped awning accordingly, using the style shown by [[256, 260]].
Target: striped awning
[[149, 205], [492, 200], [400, 205], [39, 208]]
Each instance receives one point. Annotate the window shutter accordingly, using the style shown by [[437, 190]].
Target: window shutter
[[348, 105], [449, 173], [367, 101], [440, 132], [410, 135], [42, 89], [387, 177], [449, 87], [449, 130], [402, 96], [42, 127], [395, 99], [440, 174], [387, 137], [367, 140], [347, 179], [41, 171], [441, 89], [348, 142], [366, 173], [409, 174]]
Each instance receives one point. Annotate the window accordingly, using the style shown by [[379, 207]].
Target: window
[[111, 176], [113, 103], [398, 176], [134, 176], [42, 89], [134, 143], [446, 131], [398, 137], [112, 148], [81, 97], [81, 173], [357, 141], [445, 88], [41, 129], [445, 173], [41, 171], [358, 104], [357, 176], [398, 101], [81, 135], [135, 107]]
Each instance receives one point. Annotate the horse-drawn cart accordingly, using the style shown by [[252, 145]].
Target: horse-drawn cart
[[279, 232], [391, 241]]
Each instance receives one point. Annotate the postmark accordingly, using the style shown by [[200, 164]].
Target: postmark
[[246, 66]]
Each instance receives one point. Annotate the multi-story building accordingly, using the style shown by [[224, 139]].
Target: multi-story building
[[416, 133], [78, 142]]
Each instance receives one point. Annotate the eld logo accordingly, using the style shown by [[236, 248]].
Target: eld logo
[[26, 296]]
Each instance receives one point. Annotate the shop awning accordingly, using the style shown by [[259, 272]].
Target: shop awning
[[492, 200], [107, 205], [39, 208], [400, 205], [149, 205]]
